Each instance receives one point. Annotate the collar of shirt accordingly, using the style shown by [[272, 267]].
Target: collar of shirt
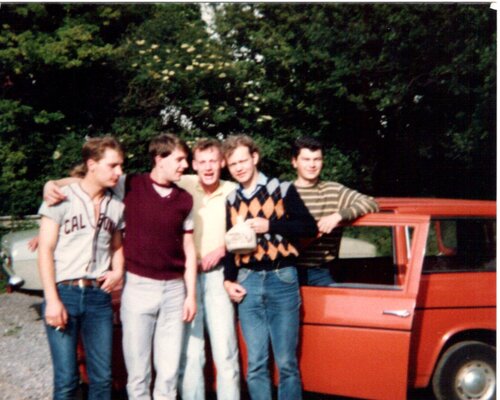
[[108, 193], [261, 181], [216, 192]]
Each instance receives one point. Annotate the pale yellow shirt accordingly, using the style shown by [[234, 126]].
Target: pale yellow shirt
[[209, 212]]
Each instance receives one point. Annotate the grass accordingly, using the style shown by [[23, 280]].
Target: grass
[[13, 330], [3, 284]]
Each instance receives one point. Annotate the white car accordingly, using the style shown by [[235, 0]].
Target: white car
[[19, 262]]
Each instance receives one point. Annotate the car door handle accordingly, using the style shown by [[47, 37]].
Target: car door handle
[[397, 313]]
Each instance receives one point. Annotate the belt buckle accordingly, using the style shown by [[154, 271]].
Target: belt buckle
[[81, 283]]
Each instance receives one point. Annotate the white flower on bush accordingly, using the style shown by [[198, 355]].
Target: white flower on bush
[[173, 113]]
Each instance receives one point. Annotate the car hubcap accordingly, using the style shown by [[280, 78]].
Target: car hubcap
[[475, 380]]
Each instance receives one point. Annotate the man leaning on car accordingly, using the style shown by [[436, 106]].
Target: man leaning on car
[[329, 203]]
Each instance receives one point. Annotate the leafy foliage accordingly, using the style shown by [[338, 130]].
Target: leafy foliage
[[402, 95]]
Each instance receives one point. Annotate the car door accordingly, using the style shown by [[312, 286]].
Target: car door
[[355, 334]]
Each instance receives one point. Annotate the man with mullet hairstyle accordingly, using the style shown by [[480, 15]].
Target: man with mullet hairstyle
[[160, 262], [81, 261]]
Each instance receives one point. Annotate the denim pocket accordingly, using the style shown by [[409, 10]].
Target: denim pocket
[[287, 274], [106, 295], [243, 274]]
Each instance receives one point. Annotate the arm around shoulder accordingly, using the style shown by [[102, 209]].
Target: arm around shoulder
[[52, 193]]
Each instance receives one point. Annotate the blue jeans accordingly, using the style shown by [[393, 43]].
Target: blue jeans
[[319, 276], [216, 314], [269, 315], [90, 316]]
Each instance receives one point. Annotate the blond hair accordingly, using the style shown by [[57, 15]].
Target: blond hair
[[234, 141], [94, 149]]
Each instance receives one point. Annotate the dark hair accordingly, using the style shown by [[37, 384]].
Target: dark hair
[[164, 144], [305, 142], [234, 141], [94, 149]]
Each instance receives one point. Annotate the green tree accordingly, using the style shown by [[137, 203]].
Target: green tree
[[405, 91], [402, 95], [58, 83]]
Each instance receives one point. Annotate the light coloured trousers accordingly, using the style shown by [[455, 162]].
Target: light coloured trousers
[[217, 312], [151, 314]]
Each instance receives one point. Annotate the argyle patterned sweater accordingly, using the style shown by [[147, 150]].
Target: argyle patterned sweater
[[288, 218]]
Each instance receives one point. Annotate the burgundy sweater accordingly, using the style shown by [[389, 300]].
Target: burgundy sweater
[[153, 242]]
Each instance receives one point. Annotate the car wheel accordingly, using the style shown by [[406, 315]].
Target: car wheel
[[466, 371]]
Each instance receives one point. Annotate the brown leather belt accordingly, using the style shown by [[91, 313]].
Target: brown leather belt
[[82, 282]]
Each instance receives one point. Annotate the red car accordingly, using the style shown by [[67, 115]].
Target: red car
[[414, 305]]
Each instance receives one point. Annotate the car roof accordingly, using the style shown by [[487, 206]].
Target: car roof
[[437, 207]]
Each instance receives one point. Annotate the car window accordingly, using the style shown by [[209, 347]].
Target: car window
[[461, 244], [367, 259]]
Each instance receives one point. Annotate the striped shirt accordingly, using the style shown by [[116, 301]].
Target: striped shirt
[[326, 198]]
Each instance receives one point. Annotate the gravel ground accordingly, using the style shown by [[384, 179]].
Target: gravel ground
[[25, 367]]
